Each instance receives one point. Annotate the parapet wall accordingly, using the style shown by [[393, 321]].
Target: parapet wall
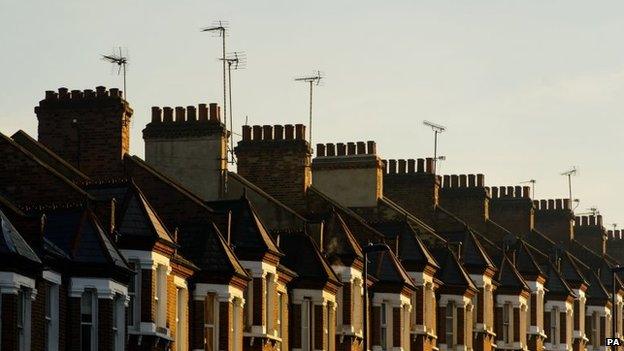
[[615, 234]]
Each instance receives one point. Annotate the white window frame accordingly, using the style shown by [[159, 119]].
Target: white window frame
[[306, 325], [450, 317], [554, 325], [24, 306], [181, 319], [248, 308], [51, 317], [212, 327], [383, 326], [94, 318], [160, 297], [134, 309], [507, 322], [119, 322]]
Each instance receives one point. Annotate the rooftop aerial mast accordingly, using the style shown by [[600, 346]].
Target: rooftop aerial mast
[[235, 61], [313, 79], [437, 129], [221, 29], [121, 61]]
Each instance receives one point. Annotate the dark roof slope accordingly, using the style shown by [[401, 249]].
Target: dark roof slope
[[452, 274], [390, 275], [413, 254], [509, 278], [12, 244]]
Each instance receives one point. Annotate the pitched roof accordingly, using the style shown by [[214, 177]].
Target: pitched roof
[[77, 232], [596, 292], [247, 232], [48, 156], [525, 262], [509, 277], [12, 244], [413, 254], [385, 267], [452, 274], [555, 284], [304, 258], [339, 243], [570, 271], [472, 253], [139, 219]]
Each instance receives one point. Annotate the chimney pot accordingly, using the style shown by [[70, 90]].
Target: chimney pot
[[267, 132], [429, 165], [577, 220], [156, 114], [361, 148], [447, 181], [462, 181], [420, 165], [278, 131], [257, 133], [167, 114], [89, 94], [551, 204], [180, 114], [393, 167], [454, 181], [191, 113], [215, 112], [290, 131], [566, 204], [371, 147], [510, 191], [543, 204], [518, 191], [536, 204], [203, 112], [63, 93], [114, 92], [526, 192], [411, 165], [384, 165], [471, 180], [584, 220], [50, 95], [402, 164], [480, 180], [331, 149], [76, 94], [246, 132], [495, 192], [341, 149], [101, 91], [559, 204], [350, 148], [300, 131], [599, 220], [320, 150], [592, 220]]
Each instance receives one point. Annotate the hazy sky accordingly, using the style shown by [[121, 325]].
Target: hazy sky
[[526, 88]]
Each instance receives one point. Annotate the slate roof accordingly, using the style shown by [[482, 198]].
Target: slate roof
[[525, 261], [555, 284], [597, 292], [12, 244], [49, 157], [303, 257], [137, 218], [385, 267], [413, 254], [248, 234], [339, 243], [508, 276], [77, 232], [452, 274]]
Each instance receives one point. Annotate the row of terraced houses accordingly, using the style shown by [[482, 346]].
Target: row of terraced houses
[[101, 250]]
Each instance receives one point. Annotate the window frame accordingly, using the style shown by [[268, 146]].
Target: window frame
[[134, 295], [94, 318], [554, 325], [118, 322], [23, 318], [51, 316], [306, 325], [450, 318], [383, 325]]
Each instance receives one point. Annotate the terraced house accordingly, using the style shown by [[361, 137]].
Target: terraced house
[[102, 250]]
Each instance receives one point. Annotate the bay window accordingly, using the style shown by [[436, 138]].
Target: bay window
[[88, 321], [450, 324], [51, 318]]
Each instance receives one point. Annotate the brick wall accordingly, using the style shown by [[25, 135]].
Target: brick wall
[[105, 325], [90, 130], [554, 218], [277, 160], [512, 208], [148, 290], [26, 181], [226, 319], [37, 327], [9, 322], [196, 328], [295, 326], [465, 196], [172, 306]]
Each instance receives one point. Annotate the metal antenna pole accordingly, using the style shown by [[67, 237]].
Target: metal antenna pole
[[125, 92], [437, 129], [312, 79], [231, 119], [224, 83], [310, 131]]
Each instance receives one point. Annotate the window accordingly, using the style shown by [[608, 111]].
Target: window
[[118, 323], [595, 320], [306, 330], [267, 291], [51, 326], [210, 327], [247, 309], [280, 313], [23, 319], [134, 293], [384, 326], [88, 318], [181, 299], [474, 312], [450, 325], [528, 312], [161, 298], [507, 322], [554, 326]]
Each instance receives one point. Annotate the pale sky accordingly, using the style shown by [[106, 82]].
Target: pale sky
[[527, 89]]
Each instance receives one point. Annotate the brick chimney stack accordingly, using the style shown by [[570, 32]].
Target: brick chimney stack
[[589, 231], [465, 196], [190, 147], [512, 208], [277, 159], [555, 219], [89, 129], [351, 173], [413, 185]]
